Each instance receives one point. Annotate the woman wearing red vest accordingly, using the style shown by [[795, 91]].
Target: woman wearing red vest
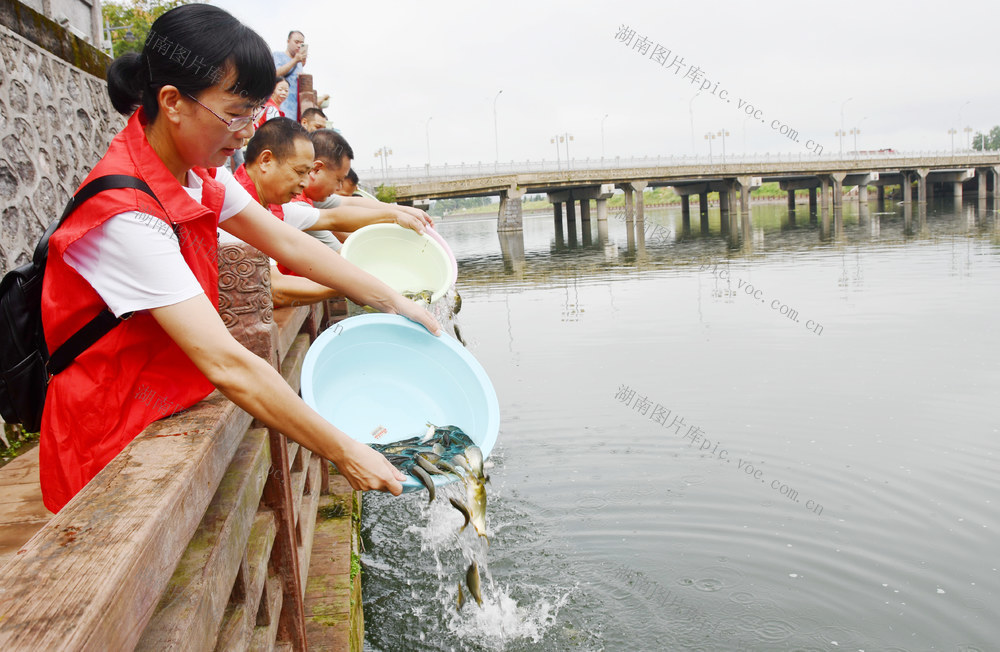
[[272, 108], [198, 86]]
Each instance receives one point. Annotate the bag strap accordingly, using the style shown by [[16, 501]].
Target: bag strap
[[100, 184], [106, 320]]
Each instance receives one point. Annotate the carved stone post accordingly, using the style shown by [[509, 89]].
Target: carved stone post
[[245, 299]]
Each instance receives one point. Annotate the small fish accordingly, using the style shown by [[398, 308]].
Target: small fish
[[438, 449], [429, 435], [425, 479], [472, 581], [476, 503], [458, 304], [475, 457], [426, 464], [462, 462], [457, 504], [461, 596]]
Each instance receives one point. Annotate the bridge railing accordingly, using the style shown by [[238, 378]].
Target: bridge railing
[[411, 174]]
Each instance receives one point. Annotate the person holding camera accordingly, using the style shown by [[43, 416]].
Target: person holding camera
[[289, 64]]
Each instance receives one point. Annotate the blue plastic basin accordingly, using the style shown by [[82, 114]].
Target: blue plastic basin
[[385, 370]]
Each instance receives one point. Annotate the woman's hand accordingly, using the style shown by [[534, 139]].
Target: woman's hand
[[365, 469], [416, 312]]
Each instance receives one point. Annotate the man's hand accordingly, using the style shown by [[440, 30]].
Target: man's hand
[[365, 468], [404, 218], [417, 213]]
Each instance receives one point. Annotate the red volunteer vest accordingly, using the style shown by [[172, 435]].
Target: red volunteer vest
[[135, 374], [276, 209]]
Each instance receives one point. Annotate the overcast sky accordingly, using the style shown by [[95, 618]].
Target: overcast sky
[[910, 68]]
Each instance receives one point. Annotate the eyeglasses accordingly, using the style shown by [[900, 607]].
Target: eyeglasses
[[236, 124]]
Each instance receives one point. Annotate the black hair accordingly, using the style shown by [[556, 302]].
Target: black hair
[[192, 47], [310, 112], [279, 136], [294, 31], [330, 146], [352, 176]]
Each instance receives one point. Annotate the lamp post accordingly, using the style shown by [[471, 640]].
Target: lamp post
[[555, 141], [383, 154], [723, 133], [710, 137], [968, 132], [952, 132], [694, 147], [602, 135], [427, 132], [566, 137], [129, 36], [496, 137], [854, 132], [841, 132], [967, 129]]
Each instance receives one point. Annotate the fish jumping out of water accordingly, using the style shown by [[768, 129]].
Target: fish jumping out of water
[[472, 581]]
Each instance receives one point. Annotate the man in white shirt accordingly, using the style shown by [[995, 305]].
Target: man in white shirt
[[279, 161]]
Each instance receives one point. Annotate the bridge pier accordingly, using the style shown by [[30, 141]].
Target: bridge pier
[[747, 184], [571, 219], [557, 210], [640, 203], [824, 191], [837, 183], [996, 187], [812, 200], [686, 214], [791, 200], [922, 185], [585, 222], [703, 204], [510, 216], [725, 198], [863, 194], [957, 191], [906, 188]]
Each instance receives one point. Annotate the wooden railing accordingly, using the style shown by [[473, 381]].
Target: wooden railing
[[197, 536]]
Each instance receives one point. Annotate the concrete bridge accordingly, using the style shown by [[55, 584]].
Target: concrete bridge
[[824, 177]]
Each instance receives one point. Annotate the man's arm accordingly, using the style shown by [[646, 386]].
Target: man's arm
[[287, 290], [306, 255], [352, 218], [282, 71], [374, 203]]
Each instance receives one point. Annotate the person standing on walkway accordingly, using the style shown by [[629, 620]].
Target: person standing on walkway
[[289, 64]]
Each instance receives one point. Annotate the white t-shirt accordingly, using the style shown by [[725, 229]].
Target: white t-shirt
[[300, 215], [134, 260], [327, 237]]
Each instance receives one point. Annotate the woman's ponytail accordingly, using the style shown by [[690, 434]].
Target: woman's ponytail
[[126, 82]]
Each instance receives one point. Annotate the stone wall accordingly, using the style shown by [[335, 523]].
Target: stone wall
[[55, 123]]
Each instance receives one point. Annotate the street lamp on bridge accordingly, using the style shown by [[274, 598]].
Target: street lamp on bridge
[[496, 137], [602, 135], [968, 133], [952, 132], [383, 154], [710, 137], [564, 138], [427, 131], [722, 133], [841, 132]]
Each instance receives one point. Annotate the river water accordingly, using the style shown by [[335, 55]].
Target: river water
[[781, 438]]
